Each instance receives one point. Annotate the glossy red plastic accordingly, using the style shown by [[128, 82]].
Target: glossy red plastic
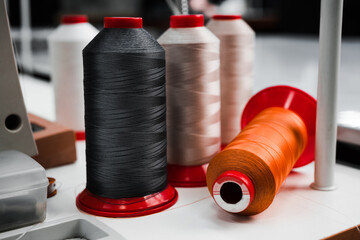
[[80, 135], [239, 178], [126, 207], [186, 21], [73, 19], [289, 98], [226, 17], [123, 22], [187, 176]]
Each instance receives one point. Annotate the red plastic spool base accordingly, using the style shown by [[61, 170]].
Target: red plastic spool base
[[80, 135], [187, 176], [126, 207], [290, 98]]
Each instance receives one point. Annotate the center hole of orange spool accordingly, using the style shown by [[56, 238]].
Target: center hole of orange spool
[[231, 192]]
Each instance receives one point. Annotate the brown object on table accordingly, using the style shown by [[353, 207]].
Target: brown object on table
[[55, 143], [348, 234]]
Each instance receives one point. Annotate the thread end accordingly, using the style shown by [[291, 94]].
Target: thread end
[[233, 191]]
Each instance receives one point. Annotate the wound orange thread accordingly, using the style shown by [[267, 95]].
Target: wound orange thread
[[265, 151]]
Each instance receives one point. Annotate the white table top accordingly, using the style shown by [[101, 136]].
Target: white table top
[[298, 212]]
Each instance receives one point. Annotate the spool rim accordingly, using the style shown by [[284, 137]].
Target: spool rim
[[187, 21], [73, 19], [123, 22], [290, 98], [126, 207], [187, 176], [245, 184], [226, 17]]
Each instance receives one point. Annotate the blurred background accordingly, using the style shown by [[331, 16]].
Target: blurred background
[[286, 48], [287, 31]]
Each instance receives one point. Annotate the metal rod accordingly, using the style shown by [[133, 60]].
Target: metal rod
[[329, 62]]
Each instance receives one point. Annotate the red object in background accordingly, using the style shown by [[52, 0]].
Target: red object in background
[[290, 98], [226, 17], [73, 19]]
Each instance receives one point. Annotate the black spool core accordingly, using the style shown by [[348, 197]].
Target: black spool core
[[231, 192], [13, 122]]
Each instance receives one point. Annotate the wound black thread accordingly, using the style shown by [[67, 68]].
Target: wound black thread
[[125, 114]]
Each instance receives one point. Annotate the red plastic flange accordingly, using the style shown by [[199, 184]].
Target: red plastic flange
[[245, 185], [126, 207], [186, 21], [80, 135], [226, 17], [187, 176], [123, 22], [289, 98], [73, 19]]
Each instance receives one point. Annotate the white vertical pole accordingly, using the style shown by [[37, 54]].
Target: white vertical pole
[[25, 33], [329, 62]]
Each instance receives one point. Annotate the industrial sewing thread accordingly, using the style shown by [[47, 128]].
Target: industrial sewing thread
[[65, 46], [237, 42], [265, 151], [125, 114], [193, 94]]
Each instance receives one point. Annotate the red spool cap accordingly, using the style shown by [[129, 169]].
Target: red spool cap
[[73, 19], [186, 21], [126, 207], [187, 176], [123, 22], [235, 186], [290, 98], [226, 17]]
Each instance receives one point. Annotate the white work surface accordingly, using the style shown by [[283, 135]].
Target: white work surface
[[298, 212]]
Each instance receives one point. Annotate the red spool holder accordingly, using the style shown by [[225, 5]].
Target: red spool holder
[[187, 176], [126, 207], [290, 98]]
